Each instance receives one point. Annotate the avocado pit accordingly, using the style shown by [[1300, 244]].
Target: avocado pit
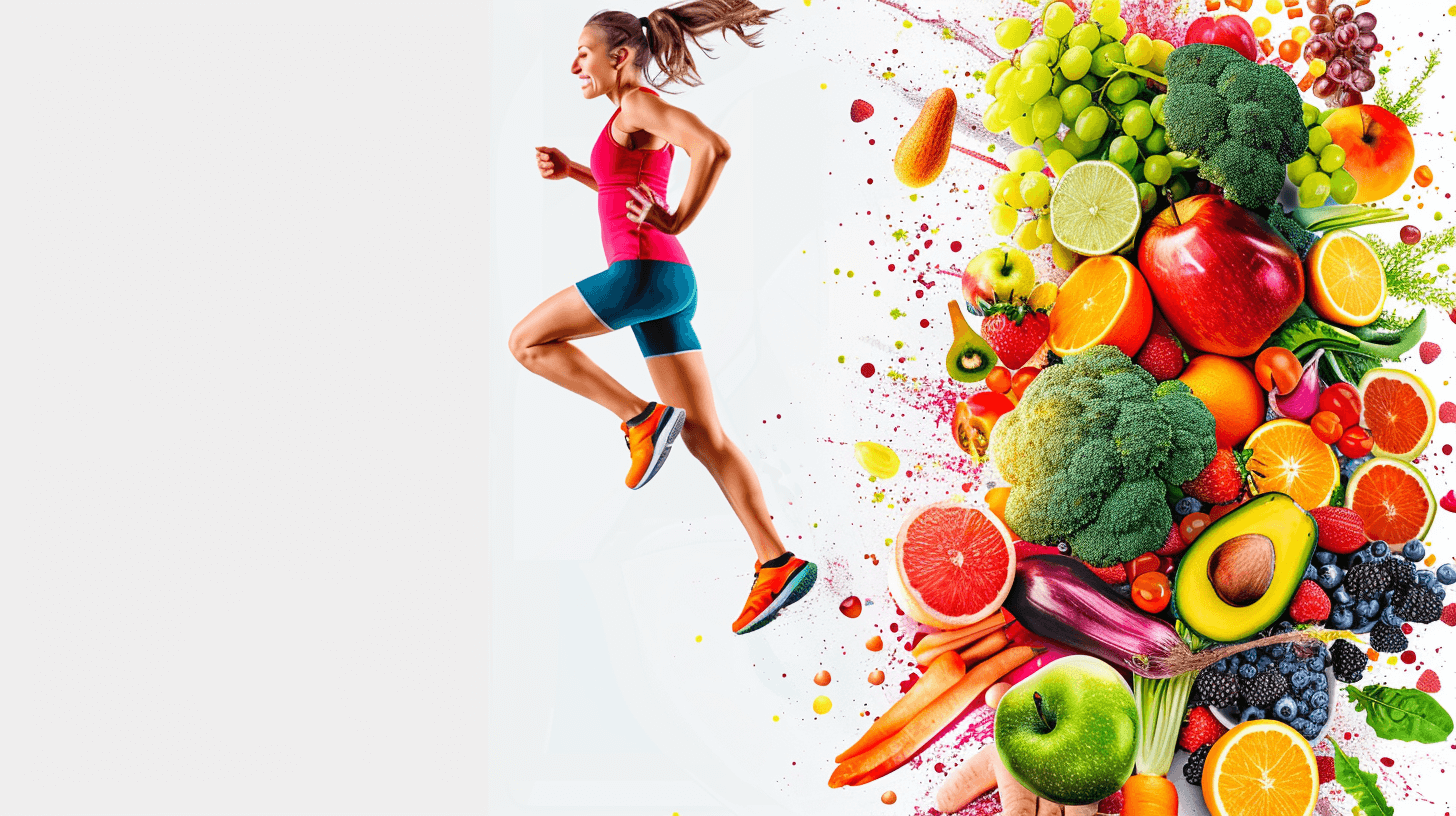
[[1242, 569]]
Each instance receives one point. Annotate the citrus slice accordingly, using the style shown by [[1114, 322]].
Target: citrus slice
[[1260, 768], [1399, 412], [1286, 457], [1095, 208], [1393, 499], [1105, 301], [1346, 283], [953, 565]]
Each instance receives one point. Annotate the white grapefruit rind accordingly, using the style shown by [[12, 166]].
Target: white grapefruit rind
[[1411, 380], [1360, 472], [913, 606]]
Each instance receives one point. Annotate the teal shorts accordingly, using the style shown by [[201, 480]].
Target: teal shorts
[[656, 298]]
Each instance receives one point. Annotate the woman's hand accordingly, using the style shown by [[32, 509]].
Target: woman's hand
[[646, 206], [982, 772], [553, 163]]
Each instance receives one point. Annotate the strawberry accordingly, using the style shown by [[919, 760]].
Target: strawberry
[[1174, 545], [1201, 729], [1341, 530], [1310, 603], [1016, 332], [1161, 356], [1326, 766], [860, 110], [1221, 480], [1429, 352], [1115, 574]]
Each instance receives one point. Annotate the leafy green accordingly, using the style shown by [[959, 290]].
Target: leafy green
[[1402, 714], [1362, 786], [1303, 336], [1405, 107], [1402, 264]]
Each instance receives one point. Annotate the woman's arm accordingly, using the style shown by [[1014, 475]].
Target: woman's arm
[[554, 165], [708, 151]]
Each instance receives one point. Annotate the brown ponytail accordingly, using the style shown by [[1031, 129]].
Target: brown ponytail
[[665, 37]]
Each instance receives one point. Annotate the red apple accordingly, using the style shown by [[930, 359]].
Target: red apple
[[1221, 276], [1379, 152], [1229, 30]]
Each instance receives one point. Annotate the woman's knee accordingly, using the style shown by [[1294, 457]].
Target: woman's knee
[[521, 345]]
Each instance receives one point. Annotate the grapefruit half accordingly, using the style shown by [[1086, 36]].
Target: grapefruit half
[[1393, 499], [1398, 410], [953, 565]]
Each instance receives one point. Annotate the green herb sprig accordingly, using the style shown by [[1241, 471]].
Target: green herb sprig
[[1404, 277], [1406, 106]]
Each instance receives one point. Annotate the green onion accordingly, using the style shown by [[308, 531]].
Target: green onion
[[1160, 705], [1344, 216]]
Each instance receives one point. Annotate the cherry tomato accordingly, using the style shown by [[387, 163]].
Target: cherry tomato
[[1344, 401], [1168, 565], [1289, 50], [1147, 562], [1277, 370], [1193, 526], [1022, 379], [1355, 443], [1150, 591], [999, 380], [1327, 427]]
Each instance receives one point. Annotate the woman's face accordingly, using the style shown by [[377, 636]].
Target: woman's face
[[593, 65]]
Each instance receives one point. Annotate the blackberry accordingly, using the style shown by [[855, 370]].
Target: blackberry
[[1193, 768], [1366, 580], [1217, 689], [1348, 661], [1418, 605], [1387, 639], [1400, 572], [1266, 687]]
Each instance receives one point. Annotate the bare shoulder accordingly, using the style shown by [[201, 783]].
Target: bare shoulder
[[640, 107]]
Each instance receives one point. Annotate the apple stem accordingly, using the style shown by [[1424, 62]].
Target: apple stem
[[1036, 698], [1365, 122], [1168, 191]]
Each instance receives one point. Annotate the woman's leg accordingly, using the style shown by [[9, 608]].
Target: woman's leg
[[682, 380], [540, 343]]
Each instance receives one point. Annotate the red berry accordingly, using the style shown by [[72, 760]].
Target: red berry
[[1147, 562], [1310, 603], [1161, 356], [1112, 805], [1151, 592], [860, 110], [1355, 443], [1448, 614], [1326, 767], [1429, 352], [1015, 338], [1221, 480], [1429, 682], [1114, 574], [1193, 526], [1344, 401], [1448, 412], [1341, 529], [1174, 543], [1200, 730]]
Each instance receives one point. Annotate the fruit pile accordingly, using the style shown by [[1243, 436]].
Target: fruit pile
[[1341, 45], [1283, 682]]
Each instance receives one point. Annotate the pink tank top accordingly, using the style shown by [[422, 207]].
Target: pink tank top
[[616, 169]]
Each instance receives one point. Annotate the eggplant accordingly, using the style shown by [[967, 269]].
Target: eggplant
[[1058, 598]]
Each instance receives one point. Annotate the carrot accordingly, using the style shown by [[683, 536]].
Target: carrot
[[941, 675], [985, 647], [972, 779], [931, 646], [1148, 795], [897, 750]]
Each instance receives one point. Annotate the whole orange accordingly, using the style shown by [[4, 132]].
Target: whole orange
[[1229, 390]]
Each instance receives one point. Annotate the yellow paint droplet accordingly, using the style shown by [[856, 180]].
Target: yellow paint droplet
[[1430, 559], [1451, 11], [823, 85], [906, 23], [700, 638], [1273, 6], [888, 75], [1262, 26], [1317, 67], [1300, 34], [822, 705], [776, 718]]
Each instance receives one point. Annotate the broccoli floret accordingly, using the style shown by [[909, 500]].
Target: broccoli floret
[[1292, 231], [1088, 451], [1243, 121]]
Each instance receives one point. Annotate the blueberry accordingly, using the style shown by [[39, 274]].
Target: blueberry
[[1328, 577], [1249, 655], [1064, 548], [1439, 591], [1252, 713], [1321, 682], [1341, 596], [1221, 666], [1315, 664], [1446, 574], [1304, 708], [1367, 608], [1311, 572], [1125, 590], [1319, 716], [1306, 728], [1362, 627], [1323, 557], [1285, 626], [1428, 579], [1187, 505], [1285, 708], [1300, 678], [1341, 618], [1319, 700], [1264, 663], [1288, 667], [1359, 557], [1349, 466], [1278, 650], [1248, 670], [1379, 548], [1389, 617], [1413, 550]]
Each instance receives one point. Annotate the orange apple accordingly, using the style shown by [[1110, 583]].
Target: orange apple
[[1379, 152]]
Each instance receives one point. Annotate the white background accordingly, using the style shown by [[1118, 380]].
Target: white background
[[286, 530]]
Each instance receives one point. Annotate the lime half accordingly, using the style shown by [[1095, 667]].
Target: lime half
[[1095, 209]]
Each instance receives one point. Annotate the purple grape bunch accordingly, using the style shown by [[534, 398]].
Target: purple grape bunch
[[1344, 40]]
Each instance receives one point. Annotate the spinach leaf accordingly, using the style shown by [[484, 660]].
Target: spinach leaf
[[1402, 714], [1361, 785]]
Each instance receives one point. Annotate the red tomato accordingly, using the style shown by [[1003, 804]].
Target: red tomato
[[1277, 370], [1344, 401], [1147, 562], [1288, 50], [1327, 427], [1193, 526], [1355, 443], [999, 380], [1150, 591], [1022, 379]]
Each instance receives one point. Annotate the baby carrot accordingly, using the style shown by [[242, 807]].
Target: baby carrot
[[941, 675], [931, 646], [985, 647]]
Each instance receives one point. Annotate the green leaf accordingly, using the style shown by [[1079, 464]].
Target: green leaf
[[1402, 714], [1304, 336], [1361, 785]]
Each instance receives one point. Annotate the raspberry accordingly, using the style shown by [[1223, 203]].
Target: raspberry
[[1448, 615], [1310, 603], [1174, 545], [1200, 730], [1161, 356], [1341, 530], [860, 110], [1326, 767], [1429, 682], [1448, 412], [1429, 352], [1112, 805]]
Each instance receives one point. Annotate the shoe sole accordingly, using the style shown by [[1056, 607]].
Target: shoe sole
[[673, 424], [797, 587]]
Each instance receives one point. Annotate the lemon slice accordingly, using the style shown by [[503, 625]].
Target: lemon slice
[[1095, 208]]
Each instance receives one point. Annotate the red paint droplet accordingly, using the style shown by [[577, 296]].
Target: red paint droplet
[[1446, 449], [851, 607], [869, 181], [940, 767], [1448, 501], [868, 369], [924, 324], [1387, 762], [966, 487], [909, 683], [1408, 657], [895, 627]]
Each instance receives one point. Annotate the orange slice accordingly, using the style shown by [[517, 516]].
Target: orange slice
[[1392, 498], [1104, 302], [1288, 458], [1399, 412], [1346, 283], [1260, 768]]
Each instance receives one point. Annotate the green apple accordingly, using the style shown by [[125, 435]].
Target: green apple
[[1069, 732], [1000, 274]]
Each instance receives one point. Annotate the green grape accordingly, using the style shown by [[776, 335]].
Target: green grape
[[1091, 124], [1060, 161], [1022, 132], [1137, 119], [1136, 171], [1139, 50], [1161, 50], [1178, 187], [1147, 196], [1319, 138], [1156, 108], [1103, 12], [1157, 141], [1046, 117], [1014, 107], [1157, 170], [1003, 219], [1036, 190], [1086, 35], [1012, 189], [995, 74], [1342, 186], [1123, 150], [1325, 114], [1007, 82], [992, 120], [1059, 83], [1072, 143], [1061, 256], [1013, 33], [1044, 229], [1314, 190], [1091, 82], [1037, 52], [1036, 81], [1299, 169], [1332, 158], [1025, 160], [1026, 236], [1123, 89], [1104, 57], [1075, 62], [1311, 114], [1074, 100], [1001, 187], [1058, 20], [1050, 145], [1117, 30]]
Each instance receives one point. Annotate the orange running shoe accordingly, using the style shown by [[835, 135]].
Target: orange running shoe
[[649, 437], [773, 589]]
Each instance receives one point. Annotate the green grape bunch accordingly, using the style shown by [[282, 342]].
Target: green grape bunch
[[1320, 173]]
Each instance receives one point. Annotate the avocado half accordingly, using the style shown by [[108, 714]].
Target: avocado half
[[1241, 573]]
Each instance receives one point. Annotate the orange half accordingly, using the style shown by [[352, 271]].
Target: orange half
[[1346, 283], [1288, 458], [1105, 302], [1260, 768]]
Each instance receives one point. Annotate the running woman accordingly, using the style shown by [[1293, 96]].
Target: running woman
[[648, 283]]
